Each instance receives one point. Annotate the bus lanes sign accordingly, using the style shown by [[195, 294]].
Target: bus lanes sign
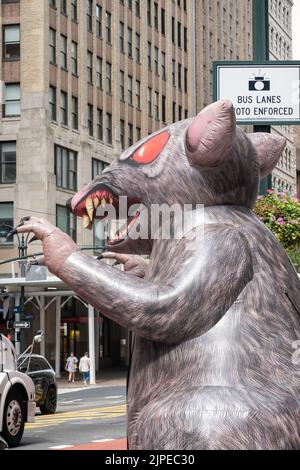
[[265, 94]]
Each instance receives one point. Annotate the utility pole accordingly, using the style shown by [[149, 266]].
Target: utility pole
[[261, 53]]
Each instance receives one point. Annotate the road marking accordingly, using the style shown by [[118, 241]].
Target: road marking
[[69, 402], [106, 412], [63, 446], [111, 444], [116, 396], [102, 440]]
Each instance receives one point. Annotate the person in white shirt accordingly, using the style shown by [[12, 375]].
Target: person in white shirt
[[84, 367]]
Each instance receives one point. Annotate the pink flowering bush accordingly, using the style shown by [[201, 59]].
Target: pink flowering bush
[[281, 214]]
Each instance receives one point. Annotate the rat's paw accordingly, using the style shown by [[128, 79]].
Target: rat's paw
[[133, 264], [57, 245]]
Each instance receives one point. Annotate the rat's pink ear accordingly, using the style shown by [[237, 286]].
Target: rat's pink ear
[[211, 135], [269, 148]]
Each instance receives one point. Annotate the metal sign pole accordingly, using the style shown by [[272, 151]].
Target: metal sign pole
[[261, 52]]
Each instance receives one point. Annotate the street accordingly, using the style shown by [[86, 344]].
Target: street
[[85, 416]]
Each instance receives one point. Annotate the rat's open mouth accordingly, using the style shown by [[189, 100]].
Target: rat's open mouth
[[102, 198]]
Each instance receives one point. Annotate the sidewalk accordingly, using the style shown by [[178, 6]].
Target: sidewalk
[[107, 378]]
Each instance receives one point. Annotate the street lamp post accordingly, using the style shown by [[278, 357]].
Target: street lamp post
[[22, 251], [261, 53]]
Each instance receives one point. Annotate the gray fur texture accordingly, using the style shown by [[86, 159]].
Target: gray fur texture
[[214, 319]]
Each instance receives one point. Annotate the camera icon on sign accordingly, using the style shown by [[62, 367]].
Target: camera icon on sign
[[259, 84]]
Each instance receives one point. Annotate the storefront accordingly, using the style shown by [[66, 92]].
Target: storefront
[[69, 324]]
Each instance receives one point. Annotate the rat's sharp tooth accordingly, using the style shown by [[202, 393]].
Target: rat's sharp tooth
[[96, 202], [87, 222], [111, 200], [103, 202], [89, 204]]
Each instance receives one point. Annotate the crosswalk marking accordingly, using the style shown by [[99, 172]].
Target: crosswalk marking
[[63, 446], [43, 421], [102, 440]]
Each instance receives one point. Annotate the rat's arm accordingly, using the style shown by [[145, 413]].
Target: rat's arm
[[201, 286]]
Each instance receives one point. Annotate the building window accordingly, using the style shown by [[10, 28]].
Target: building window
[[74, 10], [156, 16], [64, 108], [99, 21], [138, 48], [6, 222], [7, 162], [156, 61], [52, 46], [157, 105], [90, 15], [173, 72], [63, 52], [122, 44], [99, 79], [174, 112], [129, 2], [129, 42], [185, 39], [173, 30], [74, 112], [149, 13], [163, 109], [138, 8], [130, 100], [52, 3], [99, 237], [108, 78], [149, 55], [185, 79], [130, 135], [65, 168], [11, 42], [122, 134], [179, 113], [149, 102], [179, 76], [138, 94], [74, 54], [179, 34], [108, 128], [122, 85], [63, 7], [12, 105], [66, 221], [138, 134], [97, 167], [89, 67], [163, 66], [91, 120], [52, 102], [163, 21], [108, 27], [99, 124]]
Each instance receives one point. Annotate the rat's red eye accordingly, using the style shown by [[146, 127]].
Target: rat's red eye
[[150, 150]]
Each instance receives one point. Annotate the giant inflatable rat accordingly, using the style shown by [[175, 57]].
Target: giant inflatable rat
[[215, 318]]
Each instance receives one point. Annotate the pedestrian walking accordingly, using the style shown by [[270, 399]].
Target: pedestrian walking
[[84, 368], [71, 366]]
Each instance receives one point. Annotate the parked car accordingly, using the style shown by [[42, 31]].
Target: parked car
[[17, 404], [43, 376]]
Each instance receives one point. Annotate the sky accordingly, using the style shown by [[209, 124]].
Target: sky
[[296, 30]]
